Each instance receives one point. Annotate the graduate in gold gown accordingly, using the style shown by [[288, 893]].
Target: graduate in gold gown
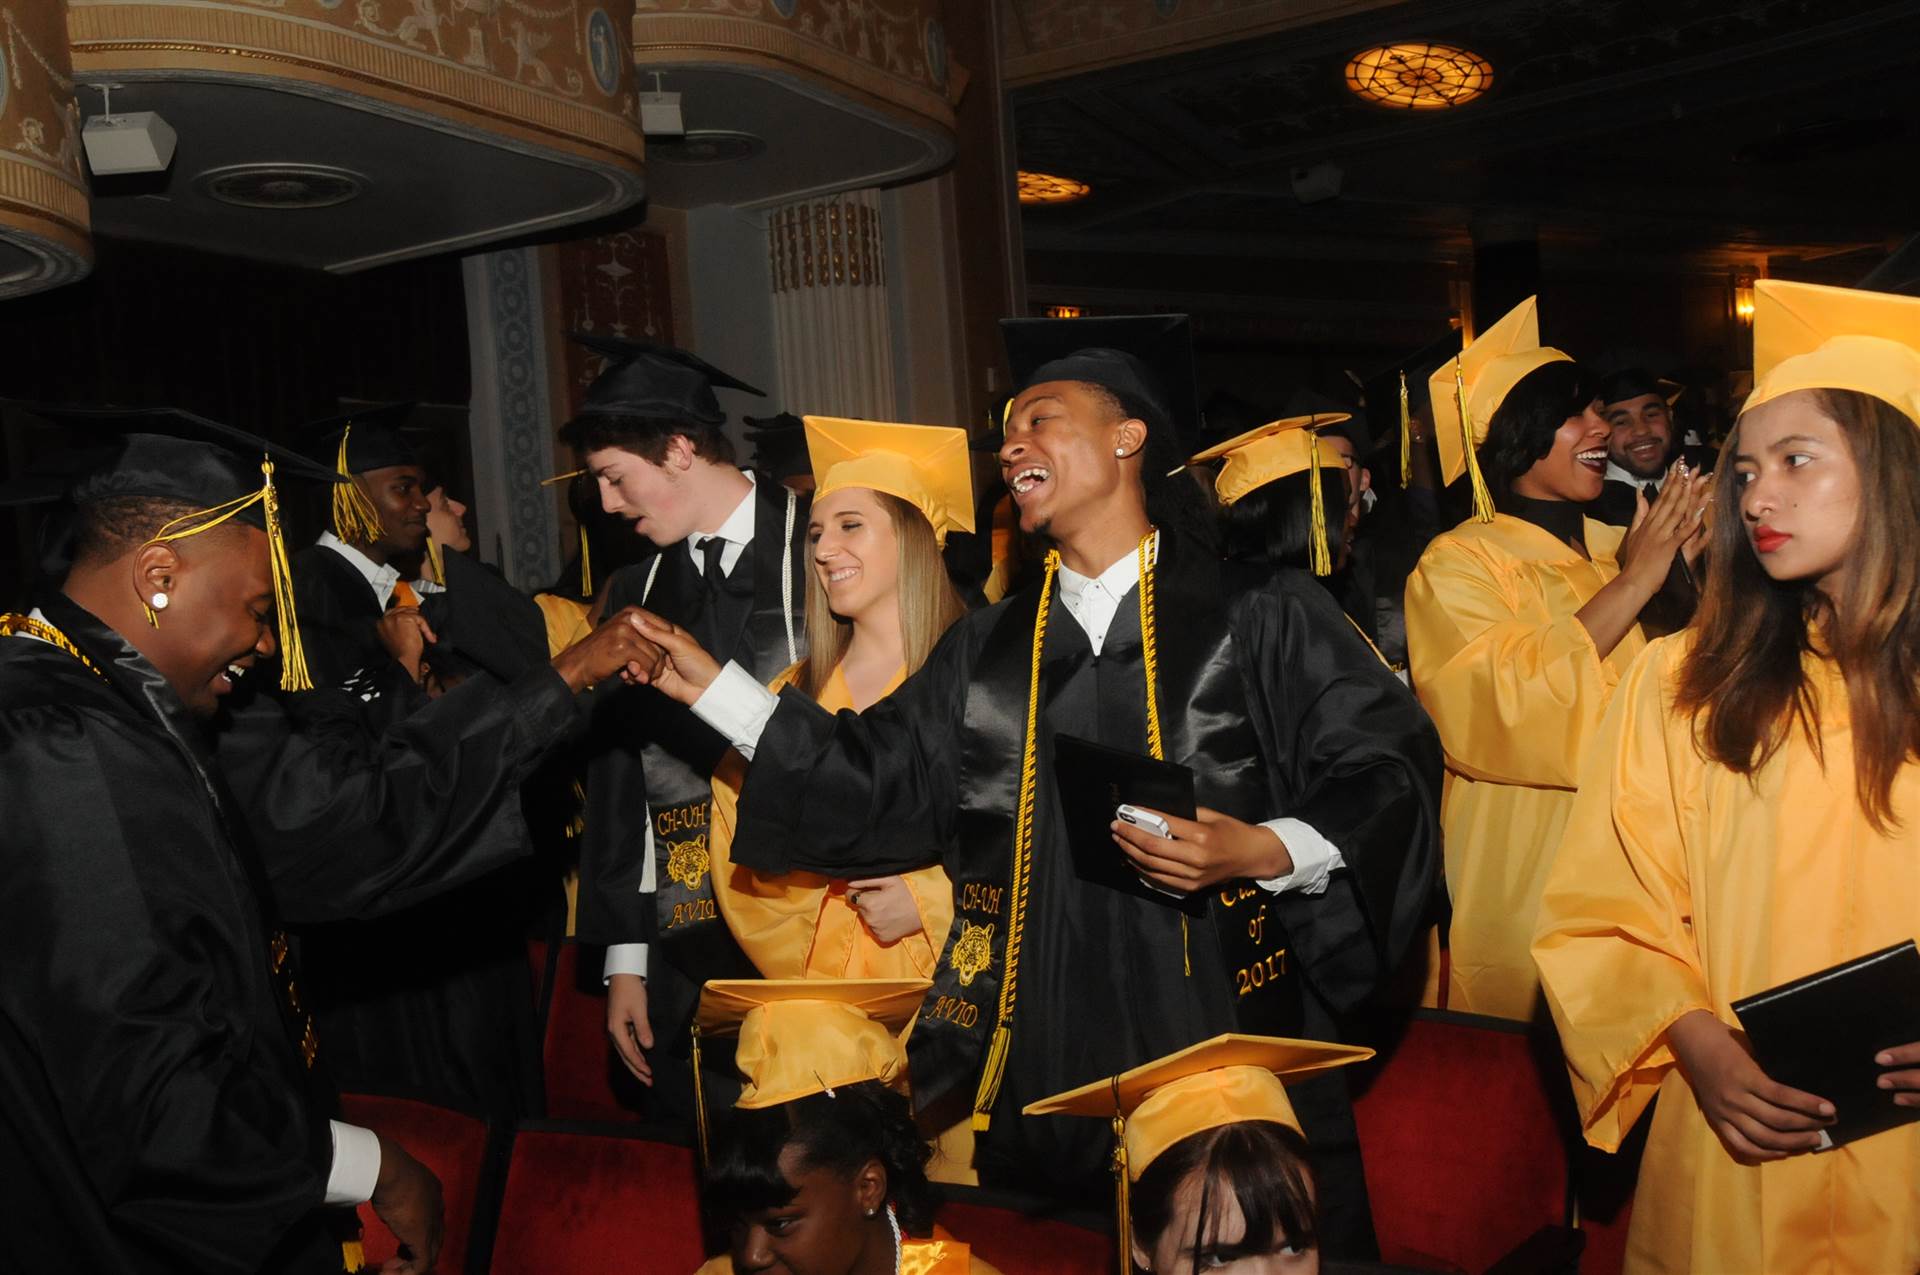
[[1211, 1164], [1520, 622], [1746, 817], [819, 1168], [878, 598]]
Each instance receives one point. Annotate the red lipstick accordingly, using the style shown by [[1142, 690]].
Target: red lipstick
[[1767, 540]]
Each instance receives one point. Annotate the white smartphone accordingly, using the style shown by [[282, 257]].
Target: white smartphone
[[1143, 819]]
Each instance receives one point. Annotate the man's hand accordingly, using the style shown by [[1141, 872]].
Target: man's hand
[[1755, 1118], [407, 1199], [627, 1024], [1905, 1083], [887, 906], [405, 633], [1204, 851], [690, 669], [617, 646]]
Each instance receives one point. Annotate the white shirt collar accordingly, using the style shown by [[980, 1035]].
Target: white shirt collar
[[738, 527], [1119, 577], [379, 578], [1619, 475]]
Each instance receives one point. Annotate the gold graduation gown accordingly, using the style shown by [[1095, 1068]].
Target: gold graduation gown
[[1681, 885], [941, 1255], [800, 924], [1514, 683], [566, 620]]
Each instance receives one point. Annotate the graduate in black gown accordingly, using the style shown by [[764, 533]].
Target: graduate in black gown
[[1316, 772], [730, 566]]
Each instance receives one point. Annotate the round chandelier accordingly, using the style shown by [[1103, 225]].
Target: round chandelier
[[1045, 188], [1419, 76]]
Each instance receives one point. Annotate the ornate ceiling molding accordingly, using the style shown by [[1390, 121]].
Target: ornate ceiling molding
[[43, 193]]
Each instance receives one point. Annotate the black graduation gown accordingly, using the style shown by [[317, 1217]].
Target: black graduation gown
[[482, 620], [650, 757], [1278, 706], [156, 1113], [339, 616]]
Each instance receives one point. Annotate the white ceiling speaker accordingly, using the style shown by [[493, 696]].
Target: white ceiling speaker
[[137, 142]]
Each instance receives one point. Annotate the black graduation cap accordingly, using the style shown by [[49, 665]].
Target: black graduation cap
[[1147, 358], [646, 378], [371, 434], [1382, 389], [1629, 382], [1354, 429], [161, 453], [779, 444]]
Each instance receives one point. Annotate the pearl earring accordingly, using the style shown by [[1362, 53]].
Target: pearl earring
[[1120, 452], [160, 601]]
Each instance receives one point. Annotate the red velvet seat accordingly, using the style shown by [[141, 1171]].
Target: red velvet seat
[[1464, 1125], [451, 1144], [587, 1203], [585, 1081], [1020, 1243]]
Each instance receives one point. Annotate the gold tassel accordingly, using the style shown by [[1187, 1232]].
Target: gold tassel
[[353, 1256], [586, 566], [699, 1103], [990, 1077], [293, 651], [1320, 559], [1482, 499], [1122, 1186], [1406, 435], [355, 520], [436, 562]]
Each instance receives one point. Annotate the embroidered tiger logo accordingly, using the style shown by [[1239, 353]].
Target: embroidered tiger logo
[[972, 951], [687, 862]]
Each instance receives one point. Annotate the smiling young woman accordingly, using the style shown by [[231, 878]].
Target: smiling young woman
[[1519, 625], [1745, 817]]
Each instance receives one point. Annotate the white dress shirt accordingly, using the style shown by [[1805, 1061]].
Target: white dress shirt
[[739, 707], [379, 577], [1619, 475], [356, 1151], [736, 531]]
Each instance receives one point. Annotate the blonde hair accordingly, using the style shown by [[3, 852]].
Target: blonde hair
[[929, 604]]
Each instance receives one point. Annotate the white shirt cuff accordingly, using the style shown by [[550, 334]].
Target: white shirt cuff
[[356, 1164], [737, 706], [1314, 858], [625, 958]]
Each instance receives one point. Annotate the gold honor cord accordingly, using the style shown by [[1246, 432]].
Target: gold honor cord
[[354, 517], [1406, 435], [586, 566], [699, 1103], [293, 655], [1022, 876], [13, 623], [1482, 500], [1319, 558], [436, 561]]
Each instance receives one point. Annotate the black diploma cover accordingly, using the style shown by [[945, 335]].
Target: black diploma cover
[[1094, 779]]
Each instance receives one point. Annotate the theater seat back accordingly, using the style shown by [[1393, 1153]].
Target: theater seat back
[[1464, 1125], [1020, 1240], [586, 1203], [585, 1080], [452, 1145]]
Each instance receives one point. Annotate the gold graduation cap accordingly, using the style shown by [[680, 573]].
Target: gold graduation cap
[[1223, 1081], [928, 466], [1466, 391], [802, 1036], [1274, 451], [1807, 337]]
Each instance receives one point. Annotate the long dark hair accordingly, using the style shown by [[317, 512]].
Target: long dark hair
[[1265, 1166], [858, 1124], [1272, 525], [1522, 429], [1743, 682]]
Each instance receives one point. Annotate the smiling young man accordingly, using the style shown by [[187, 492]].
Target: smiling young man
[[1640, 442], [730, 566], [1313, 855], [164, 1103]]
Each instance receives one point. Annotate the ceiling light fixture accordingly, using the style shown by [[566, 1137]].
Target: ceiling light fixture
[[1419, 76], [1045, 188], [1064, 312]]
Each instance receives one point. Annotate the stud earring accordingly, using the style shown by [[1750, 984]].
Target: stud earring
[[160, 601], [871, 1212], [1120, 452]]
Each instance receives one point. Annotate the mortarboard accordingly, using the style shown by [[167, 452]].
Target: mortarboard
[[1405, 384], [359, 442], [1148, 358], [1272, 452], [165, 453], [1807, 336], [804, 1036], [779, 444], [1227, 1080], [1466, 391], [646, 378], [1339, 420], [925, 465]]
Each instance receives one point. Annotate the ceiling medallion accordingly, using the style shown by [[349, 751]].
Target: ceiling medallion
[[1419, 76], [281, 186], [1045, 188]]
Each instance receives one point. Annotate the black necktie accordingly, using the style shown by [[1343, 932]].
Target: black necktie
[[1652, 492], [712, 574]]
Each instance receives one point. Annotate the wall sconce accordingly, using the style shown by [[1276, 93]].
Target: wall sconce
[[1743, 298]]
